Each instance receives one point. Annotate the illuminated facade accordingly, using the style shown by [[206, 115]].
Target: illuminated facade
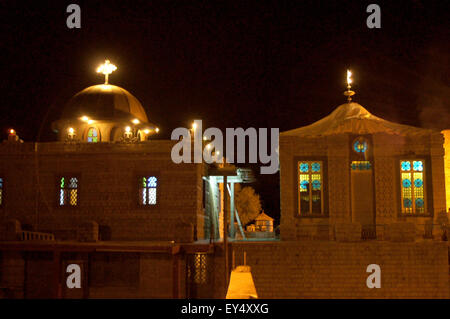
[[352, 169], [107, 197]]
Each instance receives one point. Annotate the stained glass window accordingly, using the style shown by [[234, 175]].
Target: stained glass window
[[412, 187], [68, 191], [361, 165], [360, 145], [310, 187], [92, 136], [147, 190], [1, 191]]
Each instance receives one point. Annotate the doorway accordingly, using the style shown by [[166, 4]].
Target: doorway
[[362, 198]]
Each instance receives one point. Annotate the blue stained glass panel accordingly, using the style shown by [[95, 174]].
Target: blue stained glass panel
[[418, 166], [419, 202], [406, 166], [315, 167], [418, 182], [360, 146], [304, 184], [316, 184], [407, 202], [304, 167], [406, 183], [152, 181]]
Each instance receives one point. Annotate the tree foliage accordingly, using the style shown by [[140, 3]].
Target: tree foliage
[[248, 203]]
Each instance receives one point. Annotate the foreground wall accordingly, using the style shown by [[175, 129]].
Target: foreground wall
[[338, 270], [33, 275]]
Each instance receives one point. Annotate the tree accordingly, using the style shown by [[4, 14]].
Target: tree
[[248, 203]]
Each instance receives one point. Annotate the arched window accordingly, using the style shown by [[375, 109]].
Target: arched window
[[92, 136]]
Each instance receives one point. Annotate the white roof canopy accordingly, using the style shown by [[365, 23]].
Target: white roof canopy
[[355, 119]]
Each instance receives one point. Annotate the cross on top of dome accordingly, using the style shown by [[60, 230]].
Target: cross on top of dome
[[106, 68], [349, 93]]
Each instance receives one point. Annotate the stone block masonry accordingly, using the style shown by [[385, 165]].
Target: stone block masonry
[[313, 269]]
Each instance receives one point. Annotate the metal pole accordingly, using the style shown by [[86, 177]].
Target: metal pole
[[225, 227], [232, 231]]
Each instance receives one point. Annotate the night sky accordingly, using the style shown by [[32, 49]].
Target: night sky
[[230, 63]]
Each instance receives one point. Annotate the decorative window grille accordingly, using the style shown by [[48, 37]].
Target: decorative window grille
[[310, 188], [413, 186], [199, 273], [68, 191], [148, 190], [92, 136], [361, 165]]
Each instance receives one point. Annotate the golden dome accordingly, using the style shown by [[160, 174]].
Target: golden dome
[[104, 102]]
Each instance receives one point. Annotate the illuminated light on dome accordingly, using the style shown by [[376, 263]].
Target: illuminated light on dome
[[349, 77], [349, 93]]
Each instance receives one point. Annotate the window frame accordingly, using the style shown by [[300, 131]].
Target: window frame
[[427, 186], [324, 189], [137, 180], [58, 194], [98, 135]]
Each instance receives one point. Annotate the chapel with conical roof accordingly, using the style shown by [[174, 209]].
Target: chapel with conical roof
[[353, 176]]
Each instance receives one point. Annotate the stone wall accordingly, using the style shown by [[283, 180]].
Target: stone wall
[[335, 151], [108, 190], [104, 275], [338, 270]]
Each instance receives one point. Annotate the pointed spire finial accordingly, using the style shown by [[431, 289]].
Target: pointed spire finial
[[349, 93], [106, 68]]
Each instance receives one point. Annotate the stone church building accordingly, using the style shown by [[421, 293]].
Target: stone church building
[[107, 196], [352, 171], [355, 190]]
